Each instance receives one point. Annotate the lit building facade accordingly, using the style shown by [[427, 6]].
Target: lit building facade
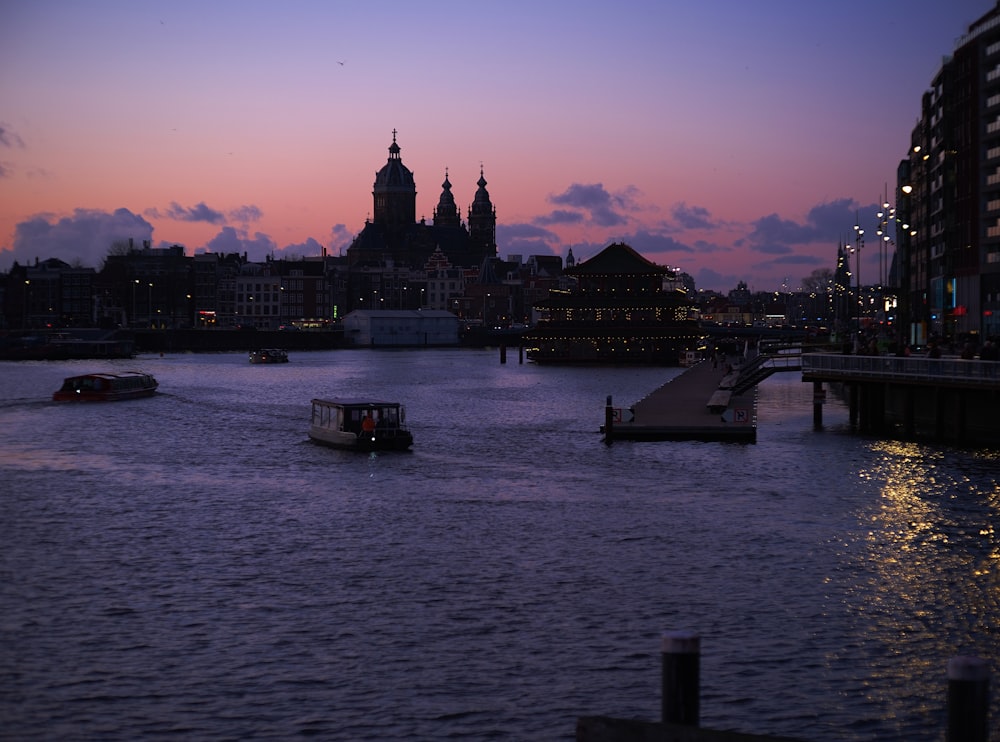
[[622, 309], [948, 198]]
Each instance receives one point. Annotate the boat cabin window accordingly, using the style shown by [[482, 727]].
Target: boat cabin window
[[321, 415], [352, 419], [355, 417]]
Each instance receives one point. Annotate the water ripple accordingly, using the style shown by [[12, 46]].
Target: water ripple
[[190, 566]]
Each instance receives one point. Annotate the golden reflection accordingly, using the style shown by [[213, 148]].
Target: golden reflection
[[926, 569]]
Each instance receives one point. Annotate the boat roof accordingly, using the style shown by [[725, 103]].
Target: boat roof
[[354, 402], [108, 375]]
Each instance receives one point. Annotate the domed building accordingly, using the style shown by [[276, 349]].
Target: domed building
[[393, 236]]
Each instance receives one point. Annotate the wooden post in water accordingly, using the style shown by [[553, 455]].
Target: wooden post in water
[[681, 668], [968, 699], [819, 397], [609, 421], [503, 353]]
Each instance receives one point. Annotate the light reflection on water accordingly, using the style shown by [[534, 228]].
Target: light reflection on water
[[929, 545], [191, 564]]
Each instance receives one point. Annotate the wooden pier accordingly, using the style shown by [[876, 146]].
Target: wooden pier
[[699, 404]]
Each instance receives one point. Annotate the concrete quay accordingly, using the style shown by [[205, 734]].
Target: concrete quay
[[696, 405]]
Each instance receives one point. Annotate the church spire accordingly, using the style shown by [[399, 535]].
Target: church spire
[[446, 212], [483, 220]]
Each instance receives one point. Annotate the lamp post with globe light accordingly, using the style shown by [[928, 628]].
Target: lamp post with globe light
[[886, 295], [904, 244], [859, 243]]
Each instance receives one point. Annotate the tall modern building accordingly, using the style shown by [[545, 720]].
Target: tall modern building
[[948, 198]]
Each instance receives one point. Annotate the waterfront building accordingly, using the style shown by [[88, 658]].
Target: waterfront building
[[623, 309], [948, 197], [444, 282], [150, 287], [406, 328], [258, 292], [48, 293]]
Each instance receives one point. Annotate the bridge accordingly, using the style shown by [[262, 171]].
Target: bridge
[[912, 397], [949, 372], [946, 399]]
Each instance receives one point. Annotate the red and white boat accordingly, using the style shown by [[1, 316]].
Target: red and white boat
[[106, 387]]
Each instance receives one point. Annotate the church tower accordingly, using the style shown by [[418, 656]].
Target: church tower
[[483, 221], [446, 213], [395, 192]]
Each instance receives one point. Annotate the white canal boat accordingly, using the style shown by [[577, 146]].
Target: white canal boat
[[359, 424]]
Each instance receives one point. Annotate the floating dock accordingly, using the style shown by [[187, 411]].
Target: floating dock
[[699, 404]]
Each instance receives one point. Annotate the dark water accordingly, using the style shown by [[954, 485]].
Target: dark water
[[190, 566]]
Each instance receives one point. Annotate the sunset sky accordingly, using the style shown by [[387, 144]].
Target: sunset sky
[[733, 140]]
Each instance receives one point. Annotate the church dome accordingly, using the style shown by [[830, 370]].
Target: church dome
[[394, 174]]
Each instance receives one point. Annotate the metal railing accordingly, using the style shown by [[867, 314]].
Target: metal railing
[[762, 366], [915, 370]]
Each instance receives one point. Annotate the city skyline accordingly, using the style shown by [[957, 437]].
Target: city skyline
[[731, 142]]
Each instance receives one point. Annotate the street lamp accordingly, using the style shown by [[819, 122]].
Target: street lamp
[[904, 243], [880, 228], [134, 321], [886, 215], [149, 307], [24, 317], [859, 242]]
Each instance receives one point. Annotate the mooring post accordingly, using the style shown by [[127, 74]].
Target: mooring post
[[968, 699], [609, 421], [819, 397], [681, 668], [503, 353]]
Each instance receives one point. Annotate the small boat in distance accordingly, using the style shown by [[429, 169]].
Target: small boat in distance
[[269, 355], [360, 424], [106, 387]]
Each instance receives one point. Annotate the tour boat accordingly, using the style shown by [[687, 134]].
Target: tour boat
[[268, 355], [106, 387], [359, 424]]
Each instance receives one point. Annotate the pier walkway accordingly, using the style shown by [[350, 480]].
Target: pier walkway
[[699, 404]]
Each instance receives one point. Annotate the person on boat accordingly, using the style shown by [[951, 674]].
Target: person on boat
[[368, 423]]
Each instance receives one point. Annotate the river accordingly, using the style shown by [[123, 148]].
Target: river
[[191, 566]]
